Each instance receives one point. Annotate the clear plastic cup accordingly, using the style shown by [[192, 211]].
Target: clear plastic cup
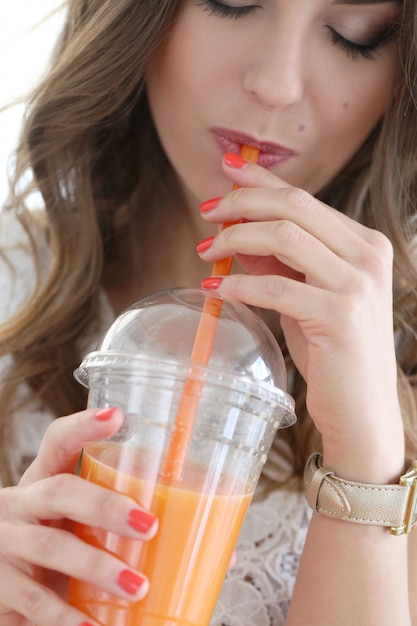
[[237, 403]]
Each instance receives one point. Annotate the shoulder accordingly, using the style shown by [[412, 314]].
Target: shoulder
[[17, 263]]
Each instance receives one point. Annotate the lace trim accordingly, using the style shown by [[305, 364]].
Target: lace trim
[[258, 589]]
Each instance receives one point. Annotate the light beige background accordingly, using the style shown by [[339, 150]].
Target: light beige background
[[26, 42]]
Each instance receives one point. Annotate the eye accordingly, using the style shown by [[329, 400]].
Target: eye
[[226, 10], [355, 50]]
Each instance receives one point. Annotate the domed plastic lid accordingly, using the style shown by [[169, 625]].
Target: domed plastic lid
[[160, 331]]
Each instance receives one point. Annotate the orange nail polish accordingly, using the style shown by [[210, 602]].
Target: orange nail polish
[[234, 160], [141, 520], [211, 282], [105, 414], [209, 205], [204, 245], [130, 582]]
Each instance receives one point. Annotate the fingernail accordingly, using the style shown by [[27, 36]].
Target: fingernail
[[211, 283], [86, 624], [204, 245], [105, 414], [141, 520], [234, 160], [209, 205], [130, 582]]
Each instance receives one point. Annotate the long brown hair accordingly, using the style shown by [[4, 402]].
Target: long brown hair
[[89, 141]]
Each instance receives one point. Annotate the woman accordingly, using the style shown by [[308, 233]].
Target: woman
[[140, 120]]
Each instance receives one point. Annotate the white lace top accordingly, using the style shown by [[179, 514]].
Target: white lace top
[[257, 590]]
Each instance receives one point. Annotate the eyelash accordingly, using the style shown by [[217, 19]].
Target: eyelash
[[224, 10], [351, 49], [355, 50]]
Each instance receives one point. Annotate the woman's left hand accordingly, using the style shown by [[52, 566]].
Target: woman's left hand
[[330, 278]]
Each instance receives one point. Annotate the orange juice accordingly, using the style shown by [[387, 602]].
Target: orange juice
[[185, 562]]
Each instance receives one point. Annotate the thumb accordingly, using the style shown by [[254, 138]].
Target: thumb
[[66, 437]]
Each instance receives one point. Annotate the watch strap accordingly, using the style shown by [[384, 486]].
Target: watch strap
[[394, 506]]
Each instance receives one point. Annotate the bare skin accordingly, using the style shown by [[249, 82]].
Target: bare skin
[[329, 277]]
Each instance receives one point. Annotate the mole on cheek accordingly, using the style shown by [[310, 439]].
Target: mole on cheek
[[345, 105], [301, 127]]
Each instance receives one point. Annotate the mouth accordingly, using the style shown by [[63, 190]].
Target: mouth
[[270, 153]]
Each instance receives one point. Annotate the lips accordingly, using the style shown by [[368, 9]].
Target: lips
[[270, 153]]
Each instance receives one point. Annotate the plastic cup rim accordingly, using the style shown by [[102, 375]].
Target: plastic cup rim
[[121, 361]]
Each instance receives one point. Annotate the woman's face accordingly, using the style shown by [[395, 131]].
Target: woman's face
[[303, 80]]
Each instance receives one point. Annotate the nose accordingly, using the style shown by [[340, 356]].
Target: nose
[[275, 70]]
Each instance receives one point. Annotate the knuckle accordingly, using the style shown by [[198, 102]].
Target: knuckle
[[55, 485], [351, 311], [228, 235], [380, 241], [379, 258], [299, 198], [42, 606], [382, 247], [237, 285], [356, 290], [35, 601], [47, 542], [273, 287], [99, 564], [286, 230], [106, 503], [237, 197]]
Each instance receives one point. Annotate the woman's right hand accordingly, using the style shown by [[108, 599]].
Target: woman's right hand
[[38, 551]]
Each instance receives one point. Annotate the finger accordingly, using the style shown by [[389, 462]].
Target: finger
[[290, 244], [320, 313], [69, 496], [262, 266], [343, 237], [60, 551], [255, 176], [20, 593], [286, 296], [65, 438], [359, 246]]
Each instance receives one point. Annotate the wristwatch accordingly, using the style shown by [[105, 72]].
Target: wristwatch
[[394, 506]]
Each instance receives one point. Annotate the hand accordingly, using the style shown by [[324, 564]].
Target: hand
[[37, 550], [331, 279]]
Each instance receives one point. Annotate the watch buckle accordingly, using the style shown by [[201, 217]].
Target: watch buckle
[[409, 480]]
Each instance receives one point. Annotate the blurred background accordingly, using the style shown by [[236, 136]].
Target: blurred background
[[27, 37]]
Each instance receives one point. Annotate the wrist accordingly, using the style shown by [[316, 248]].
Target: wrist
[[367, 468], [378, 459]]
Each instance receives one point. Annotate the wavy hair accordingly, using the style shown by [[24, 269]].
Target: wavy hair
[[89, 142]]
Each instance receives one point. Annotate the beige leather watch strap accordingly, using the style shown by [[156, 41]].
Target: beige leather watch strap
[[394, 506]]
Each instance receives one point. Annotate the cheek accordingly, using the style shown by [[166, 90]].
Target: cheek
[[169, 92], [348, 114], [354, 94], [179, 66], [366, 95]]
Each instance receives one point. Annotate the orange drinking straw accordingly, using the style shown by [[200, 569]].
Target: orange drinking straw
[[200, 355]]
